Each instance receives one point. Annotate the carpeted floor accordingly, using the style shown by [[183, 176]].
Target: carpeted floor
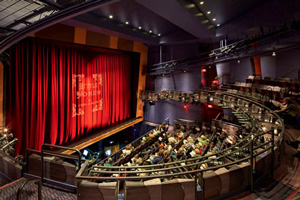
[[286, 185], [9, 192]]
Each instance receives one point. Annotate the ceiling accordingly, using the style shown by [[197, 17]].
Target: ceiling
[[180, 21], [155, 22]]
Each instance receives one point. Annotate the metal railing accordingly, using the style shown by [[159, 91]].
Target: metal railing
[[34, 180], [248, 148]]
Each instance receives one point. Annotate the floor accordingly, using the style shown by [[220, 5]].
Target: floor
[[286, 183]]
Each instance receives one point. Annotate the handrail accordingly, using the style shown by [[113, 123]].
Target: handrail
[[290, 72], [35, 180], [136, 140], [248, 150], [58, 155]]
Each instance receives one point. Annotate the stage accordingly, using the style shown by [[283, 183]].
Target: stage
[[91, 139]]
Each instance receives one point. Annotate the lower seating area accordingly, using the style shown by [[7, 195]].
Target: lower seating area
[[217, 160]]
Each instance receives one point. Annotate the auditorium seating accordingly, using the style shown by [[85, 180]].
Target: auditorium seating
[[219, 172]]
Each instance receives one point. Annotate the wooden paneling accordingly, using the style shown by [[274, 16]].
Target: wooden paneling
[[57, 32], [1, 93], [80, 36], [113, 42], [97, 39], [143, 50], [126, 45]]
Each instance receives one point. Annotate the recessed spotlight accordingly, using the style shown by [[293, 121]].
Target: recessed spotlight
[[208, 12], [110, 16], [201, 2], [126, 23], [214, 19], [150, 31], [218, 24], [158, 35], [140, 27]]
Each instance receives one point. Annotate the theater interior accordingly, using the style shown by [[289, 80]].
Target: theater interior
[[150, 99]]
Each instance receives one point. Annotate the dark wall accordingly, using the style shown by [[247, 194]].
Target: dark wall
[[286, 62], [173, 110], [189, 81]]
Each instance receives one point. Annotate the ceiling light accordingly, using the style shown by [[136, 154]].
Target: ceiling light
[[216, 57], [208, 12], [274, 53], [126, 23], [150, 31], [239, 61], [158, 34], [184, 71], [218, 24], [110, 16], [214, 19], [201, 2], [140, 27]]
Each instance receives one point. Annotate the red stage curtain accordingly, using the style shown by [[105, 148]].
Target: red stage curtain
[[59, 92]]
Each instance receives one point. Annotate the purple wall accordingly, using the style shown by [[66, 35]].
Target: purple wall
[[286, 62], [268, 66], [240, 71], [189, 81]]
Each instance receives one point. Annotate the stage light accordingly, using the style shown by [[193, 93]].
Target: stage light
[[201, 2], [214, 19], [140, 27], [203, 70], [184, 71], [218, 25], [209, 106], [158, 35], [110, 16], [150, 31], [239, 61], [5, 130], [274, 53], [208, 12], [126, 23]]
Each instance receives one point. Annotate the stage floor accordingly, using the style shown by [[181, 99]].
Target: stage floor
[[93, 138]]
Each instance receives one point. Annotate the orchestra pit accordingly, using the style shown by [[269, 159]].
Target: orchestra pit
[[153, 100]]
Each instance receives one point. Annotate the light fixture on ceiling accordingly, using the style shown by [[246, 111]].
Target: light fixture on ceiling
[[214, 19], [150, 31], [201, 2], [216, 57], [218, 25], [158, 35], [208, 12], [184, 71], [127, 23], [140, 27], [111, 16], [239, 61], [274, 53]]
